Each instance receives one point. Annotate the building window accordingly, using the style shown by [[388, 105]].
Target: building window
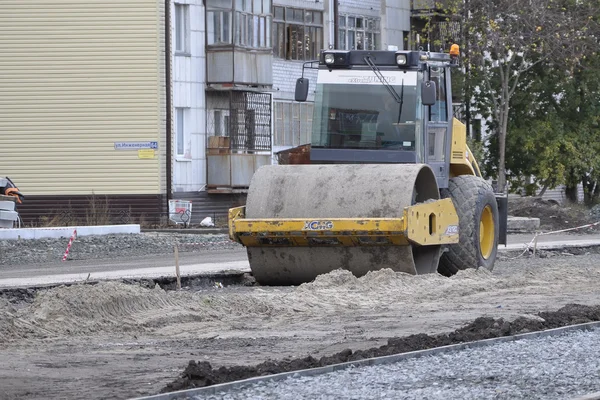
[[218, 22], [218, 127], [180, 131], [359, 33], [182, 31], [247, 24], [253, 23], [221, 122], [297, 33], [293, 123], [219, 27]]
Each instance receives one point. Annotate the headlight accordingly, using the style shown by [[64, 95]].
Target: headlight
[[401, 59], [336, 58]]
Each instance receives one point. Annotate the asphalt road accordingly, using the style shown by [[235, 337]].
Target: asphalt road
[[198, 263], [153, 266]]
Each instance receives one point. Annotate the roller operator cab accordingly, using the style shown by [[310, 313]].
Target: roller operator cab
[[391, 181], [383, 107]]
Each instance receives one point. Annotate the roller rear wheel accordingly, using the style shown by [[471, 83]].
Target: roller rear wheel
[[477, 211]]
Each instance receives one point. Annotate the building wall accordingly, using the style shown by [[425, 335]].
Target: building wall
[[76, 78], [285, 74], [189, 77], [395, 23], [296, 117], [292, 120]]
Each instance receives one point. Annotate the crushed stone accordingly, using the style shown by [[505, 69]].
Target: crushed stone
[[19, 252]]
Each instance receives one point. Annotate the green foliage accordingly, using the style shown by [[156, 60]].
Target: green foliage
[[554, 127], [531, 70], [506, 40], [437, 23]]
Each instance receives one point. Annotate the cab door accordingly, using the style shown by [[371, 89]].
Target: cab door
[[437, 131]]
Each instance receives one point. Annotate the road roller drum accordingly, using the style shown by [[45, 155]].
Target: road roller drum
[[316, 192]]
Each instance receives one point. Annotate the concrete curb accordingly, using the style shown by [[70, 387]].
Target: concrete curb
[[522, 224], [186, 394], [66, 231], [591, 396], [191, 231], [554, 245]]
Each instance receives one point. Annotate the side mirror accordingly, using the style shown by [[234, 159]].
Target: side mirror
[[301, 89], [428, 93]]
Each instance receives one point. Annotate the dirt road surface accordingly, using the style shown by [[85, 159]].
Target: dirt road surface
[[114, 340]]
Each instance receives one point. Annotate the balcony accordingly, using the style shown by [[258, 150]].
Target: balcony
[[239, 49], [239, 141]]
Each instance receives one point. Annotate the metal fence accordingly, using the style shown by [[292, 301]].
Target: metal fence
[[250, 121]]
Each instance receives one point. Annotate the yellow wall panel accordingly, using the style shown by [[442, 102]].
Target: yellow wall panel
[[76, 77]]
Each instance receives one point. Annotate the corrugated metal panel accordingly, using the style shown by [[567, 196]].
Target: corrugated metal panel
[[558, 194], [79, 210], [253, 68], [219, 67], [242, 67], [76, 77]]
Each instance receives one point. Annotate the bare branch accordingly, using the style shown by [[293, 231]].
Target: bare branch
[[495, 105]]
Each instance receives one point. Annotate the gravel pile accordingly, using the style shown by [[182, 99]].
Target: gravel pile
[[564, 366], [19, 252]]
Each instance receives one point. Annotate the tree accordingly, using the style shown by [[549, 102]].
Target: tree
[[579, 108], [554, 125], [508, 38], [537, 141]]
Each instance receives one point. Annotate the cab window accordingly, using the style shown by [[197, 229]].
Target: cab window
[[439, 111]]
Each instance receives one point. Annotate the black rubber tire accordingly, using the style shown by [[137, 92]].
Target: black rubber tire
[[470, 195]]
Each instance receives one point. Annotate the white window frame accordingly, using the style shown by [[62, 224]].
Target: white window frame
[[253, 23], [221, 115], [344, 32], [311, 31], [181, 135], [182, 28], [219, 27]]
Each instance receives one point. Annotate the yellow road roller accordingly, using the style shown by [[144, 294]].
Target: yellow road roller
[[388, 181]]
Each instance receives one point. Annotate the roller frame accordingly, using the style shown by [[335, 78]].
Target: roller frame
[[412, 228]]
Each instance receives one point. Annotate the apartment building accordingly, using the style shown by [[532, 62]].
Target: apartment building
[[83, 108], [254, 51], [142, 101], [301, 29]]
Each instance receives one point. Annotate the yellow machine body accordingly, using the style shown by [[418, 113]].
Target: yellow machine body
[[462, 161], [431, 223]]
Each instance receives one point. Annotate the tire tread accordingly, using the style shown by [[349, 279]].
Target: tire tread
[[465, 191]]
